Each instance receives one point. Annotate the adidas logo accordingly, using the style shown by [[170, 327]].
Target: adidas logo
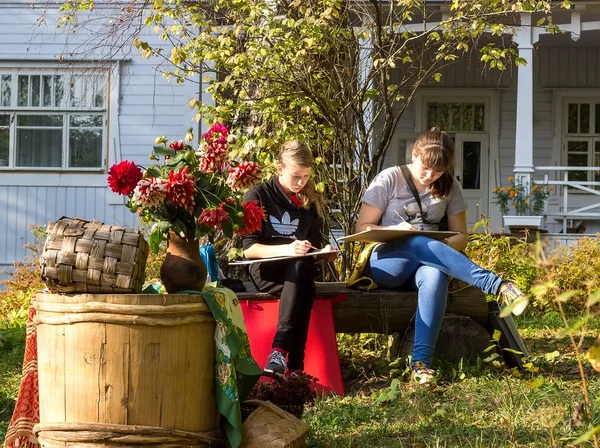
[[285, 227]]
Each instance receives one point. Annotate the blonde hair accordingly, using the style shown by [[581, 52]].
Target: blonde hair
[[436, 149], [296, 153]]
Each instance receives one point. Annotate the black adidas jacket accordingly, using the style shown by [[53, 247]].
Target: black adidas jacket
[[285, 221]]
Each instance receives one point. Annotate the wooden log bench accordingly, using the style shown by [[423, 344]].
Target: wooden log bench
[[463, 333]]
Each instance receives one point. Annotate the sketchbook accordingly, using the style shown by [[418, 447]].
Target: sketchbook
[[264, 260], [385, 235]]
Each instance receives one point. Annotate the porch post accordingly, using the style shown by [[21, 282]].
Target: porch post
[[524, 126]]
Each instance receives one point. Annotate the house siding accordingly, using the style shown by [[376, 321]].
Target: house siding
[[146, 106]]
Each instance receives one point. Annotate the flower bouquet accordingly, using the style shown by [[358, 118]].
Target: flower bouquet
[[190, 193]]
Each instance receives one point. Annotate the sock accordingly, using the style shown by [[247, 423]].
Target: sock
[[280, 350]]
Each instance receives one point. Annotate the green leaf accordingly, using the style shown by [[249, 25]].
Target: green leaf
[[390, 394], [535, 383], [163, 151], [496, 335], [235, 253], [158, 234], [550, 357], [593, 298], [153, 171], [227, 228], [179, 228], [540, 290], [491, 347], [588, 435], [565, 296], [576, 326], [491, 357], [512, 350]]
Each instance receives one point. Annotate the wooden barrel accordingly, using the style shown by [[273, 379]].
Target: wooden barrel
[[126, 369]]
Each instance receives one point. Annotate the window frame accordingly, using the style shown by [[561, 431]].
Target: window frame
[[65, 109], [590, 137]]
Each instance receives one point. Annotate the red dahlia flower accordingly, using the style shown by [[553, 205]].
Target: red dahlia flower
[[177, 145], [245, 175], [123, 177], [213, 217], [254, 214], [181, 188]]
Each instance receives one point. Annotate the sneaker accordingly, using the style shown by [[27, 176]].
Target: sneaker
[[511, 295], [276, 363], [421, 374]]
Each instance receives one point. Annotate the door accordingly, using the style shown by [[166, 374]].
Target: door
[[472, 159]]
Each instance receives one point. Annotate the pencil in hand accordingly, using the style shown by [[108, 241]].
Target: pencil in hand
[[399, 216]]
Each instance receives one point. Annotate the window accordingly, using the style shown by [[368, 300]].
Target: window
[[456, 117], [51, 120], [582, 139]]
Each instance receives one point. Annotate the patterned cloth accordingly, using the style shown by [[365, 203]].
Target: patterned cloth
[[236, 372], [27, 409]]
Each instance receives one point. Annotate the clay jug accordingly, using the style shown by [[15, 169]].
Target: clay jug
[[183, 268]]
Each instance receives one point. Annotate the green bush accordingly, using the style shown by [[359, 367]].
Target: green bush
[[507, 256], [23, 282], [573, 267]]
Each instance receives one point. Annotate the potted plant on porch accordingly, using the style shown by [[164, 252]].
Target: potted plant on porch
[[529, 204]]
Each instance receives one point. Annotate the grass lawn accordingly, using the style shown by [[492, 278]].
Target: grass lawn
[[472, 406]]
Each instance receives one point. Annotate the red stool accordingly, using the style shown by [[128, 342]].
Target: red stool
[[321, 359]]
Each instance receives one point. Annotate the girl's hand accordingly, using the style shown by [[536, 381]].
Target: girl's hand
[[329, 257], [403, 226], [298, 247]]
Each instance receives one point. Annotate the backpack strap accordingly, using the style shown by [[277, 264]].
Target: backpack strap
[[413, 189]]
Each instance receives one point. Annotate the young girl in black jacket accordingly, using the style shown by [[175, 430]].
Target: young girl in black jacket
[[294, 224]]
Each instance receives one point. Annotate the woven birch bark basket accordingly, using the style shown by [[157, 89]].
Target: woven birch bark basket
[[82, 256]]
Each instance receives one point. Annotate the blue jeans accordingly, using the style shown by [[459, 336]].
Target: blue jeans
[[425, 264]]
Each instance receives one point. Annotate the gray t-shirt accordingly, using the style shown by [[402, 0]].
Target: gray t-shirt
[[390, 193]]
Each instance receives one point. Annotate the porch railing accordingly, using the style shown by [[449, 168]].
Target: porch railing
[[567, 190]]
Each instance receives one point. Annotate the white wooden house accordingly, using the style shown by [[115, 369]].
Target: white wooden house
[[67, 115], [65, 118]]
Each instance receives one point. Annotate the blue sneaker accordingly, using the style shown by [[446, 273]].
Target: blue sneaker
[[276, 363]]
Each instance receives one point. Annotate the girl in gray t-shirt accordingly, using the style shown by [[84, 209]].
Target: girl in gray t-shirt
[[418, 261]]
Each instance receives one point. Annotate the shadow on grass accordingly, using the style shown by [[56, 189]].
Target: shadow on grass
[[12, 349], [440, 435]]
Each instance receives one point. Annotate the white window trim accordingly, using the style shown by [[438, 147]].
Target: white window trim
[[561, 99], [110, 152]]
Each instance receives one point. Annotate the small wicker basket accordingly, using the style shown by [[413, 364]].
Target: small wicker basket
[[271, 427], [82, 256]]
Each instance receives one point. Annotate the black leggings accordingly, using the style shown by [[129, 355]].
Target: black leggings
[[294, 282]]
